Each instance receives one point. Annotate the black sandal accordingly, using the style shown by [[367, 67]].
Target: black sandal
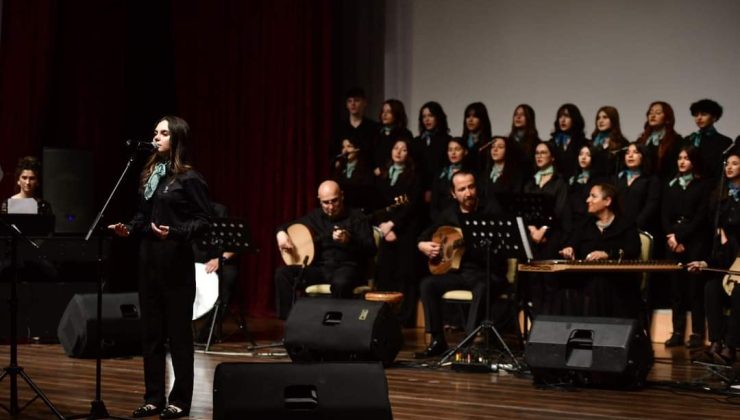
[[172, 412], [145, 410]]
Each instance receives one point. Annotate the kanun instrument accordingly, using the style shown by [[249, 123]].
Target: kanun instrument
[[626, 266]]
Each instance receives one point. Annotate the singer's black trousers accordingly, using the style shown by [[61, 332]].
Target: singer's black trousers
[[166, 294]]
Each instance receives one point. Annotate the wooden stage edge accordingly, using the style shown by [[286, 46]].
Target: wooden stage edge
[[415, 392]]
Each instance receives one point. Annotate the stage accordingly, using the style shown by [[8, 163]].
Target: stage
[[415, 392]]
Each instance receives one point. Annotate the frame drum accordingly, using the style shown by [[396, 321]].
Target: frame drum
[[206, 291]]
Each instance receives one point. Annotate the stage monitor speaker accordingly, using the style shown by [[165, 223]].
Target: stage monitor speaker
[[328, 329], [608, 352], [67, 185], [121, 326], [326, 391]]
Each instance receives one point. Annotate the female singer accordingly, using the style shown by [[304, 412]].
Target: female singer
[[607, 136], [685, 221], [607, 236], [476, 133], [639, 190], [28, 180], [503, 170], [394, 122], [524, 133], [589, 173], [430, 148], [354, 175], [568, 136], [546, 239], [173, 212], [661, 140], [397, 256], [441, 198], [724, 332]]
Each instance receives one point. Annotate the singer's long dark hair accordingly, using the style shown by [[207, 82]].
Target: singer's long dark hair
[[179, 135]]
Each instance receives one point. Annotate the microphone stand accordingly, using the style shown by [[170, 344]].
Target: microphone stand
[[97, 406], [13, 370]]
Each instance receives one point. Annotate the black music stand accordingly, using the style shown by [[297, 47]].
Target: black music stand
[[534, 209], [226, 235], [501, 237], [13, 370], [97, 406]]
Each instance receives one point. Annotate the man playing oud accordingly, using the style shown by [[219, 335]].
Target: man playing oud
[[471, 275], [341, 240]]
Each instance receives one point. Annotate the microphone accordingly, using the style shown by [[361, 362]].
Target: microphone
[[141, 145]]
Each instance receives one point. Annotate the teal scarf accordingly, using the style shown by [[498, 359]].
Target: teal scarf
[[349, 169], [683, 180], [601, 140], [697, 136], [160, 169], [394, 172], [655, 138], [581, 178], [543, 172], [496, 171], [630, 174], [449, 171]]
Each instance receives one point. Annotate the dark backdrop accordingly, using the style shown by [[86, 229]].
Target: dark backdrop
[[253, 78]]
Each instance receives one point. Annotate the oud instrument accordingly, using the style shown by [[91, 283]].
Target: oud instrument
[[452, 247], [731, 277], [303, 239]]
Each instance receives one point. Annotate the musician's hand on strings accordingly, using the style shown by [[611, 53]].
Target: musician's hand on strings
[[696, 266], [429, 248], [597, 255], [120, 229], [340, 235], [568, 253], [212, 266], [160, 231], [284, 242]]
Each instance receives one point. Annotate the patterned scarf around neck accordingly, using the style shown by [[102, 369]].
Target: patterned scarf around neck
[[683, 180], [543, 172], [160, 169], [472, 140], [655, 138], [393, 173], [450, 170], [630, 174], [562, 140], [386, 130], [581, 178], [601, 139], [496, 171], [349, 169], [698, 135], [734, 191]]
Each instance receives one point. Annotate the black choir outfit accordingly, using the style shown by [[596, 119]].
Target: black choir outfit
[[711, 144], [496, 180], [640, 200], [357, 181], [397, 261], [685, 213], [567, 148], [542, 291], [471, 275], [341, 265], [721, 328], [167, 281], [665, 163], [383, 143], [429, 151], [362, 136], [609, 294]]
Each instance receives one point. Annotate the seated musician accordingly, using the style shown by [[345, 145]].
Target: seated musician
[[342, 241], [472, 272], [724, 332], [28, 180], [608, 237]]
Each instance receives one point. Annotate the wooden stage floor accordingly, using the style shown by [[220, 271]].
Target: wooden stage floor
[[415, 392]]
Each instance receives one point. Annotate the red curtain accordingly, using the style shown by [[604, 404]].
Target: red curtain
[[253, 79]]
